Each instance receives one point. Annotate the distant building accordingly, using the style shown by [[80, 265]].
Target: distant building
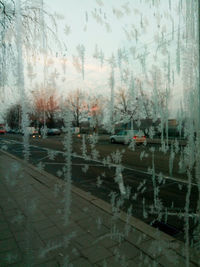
[[142, 124], [172, 122]]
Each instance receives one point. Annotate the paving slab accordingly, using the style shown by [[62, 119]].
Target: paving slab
[[96, 253], [42, 224], [5, 234], [13, 256], [81, 262], [125, 249]]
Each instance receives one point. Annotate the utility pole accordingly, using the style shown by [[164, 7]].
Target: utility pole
[[44, 47], [198, 103], [198, 118]]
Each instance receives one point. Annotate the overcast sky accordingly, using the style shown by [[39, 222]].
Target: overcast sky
[[134, 25], [137, 26]]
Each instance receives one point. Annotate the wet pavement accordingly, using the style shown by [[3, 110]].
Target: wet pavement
[[97, 178], [37, 228]]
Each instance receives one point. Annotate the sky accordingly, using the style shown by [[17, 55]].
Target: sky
[[120, 15], [146, 30], [131, 25]]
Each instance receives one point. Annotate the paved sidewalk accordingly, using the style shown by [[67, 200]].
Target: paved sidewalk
[[33, 229]]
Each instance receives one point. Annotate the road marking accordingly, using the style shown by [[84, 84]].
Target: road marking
[[53, 163], [74, 164], [178, 214], [7, 142], [41, 158], [37, 151], [175, 179]]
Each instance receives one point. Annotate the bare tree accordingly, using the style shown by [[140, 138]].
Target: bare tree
[[46, 104], [31, 20], [37, 25], [160, 92], [13, 116], [139, 104], [96, 111], [123, 106], [126, 105], [77, 102]]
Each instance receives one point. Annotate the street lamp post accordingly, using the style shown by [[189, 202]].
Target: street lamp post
[[198, 103]]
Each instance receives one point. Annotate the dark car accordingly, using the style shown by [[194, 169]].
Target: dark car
[[10, 131], [13, 131], [53, 131]]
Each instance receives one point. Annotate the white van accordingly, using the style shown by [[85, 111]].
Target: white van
[[125, 136]]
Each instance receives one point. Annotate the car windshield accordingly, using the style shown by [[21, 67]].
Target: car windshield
[[121, 133]]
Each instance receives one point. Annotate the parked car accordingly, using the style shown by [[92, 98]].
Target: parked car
[[2, 130], [37, 135], [125, 137], [53, 131], [14, 131], [10, 131]]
